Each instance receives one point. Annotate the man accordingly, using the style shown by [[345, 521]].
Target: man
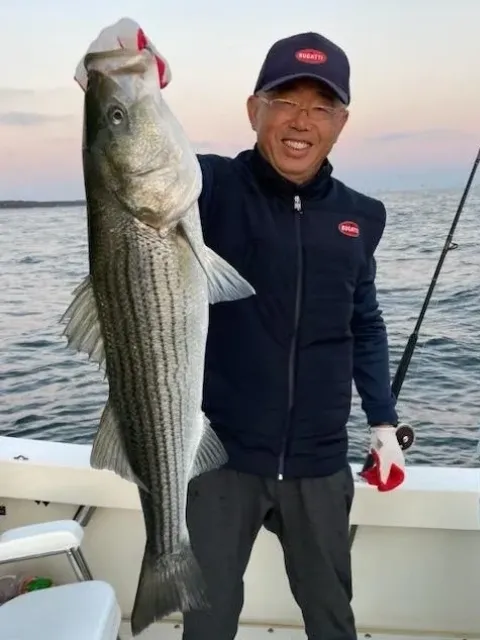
[[280, 365]]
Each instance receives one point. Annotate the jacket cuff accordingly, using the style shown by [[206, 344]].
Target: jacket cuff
[[382, 414]]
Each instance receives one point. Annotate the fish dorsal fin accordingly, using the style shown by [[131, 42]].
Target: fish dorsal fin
[[83, 330], [84, 333], [224, 282]]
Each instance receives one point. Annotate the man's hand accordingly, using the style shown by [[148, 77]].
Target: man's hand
[[388, 469]]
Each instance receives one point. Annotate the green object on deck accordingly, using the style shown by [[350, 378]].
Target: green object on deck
[[34, 584]]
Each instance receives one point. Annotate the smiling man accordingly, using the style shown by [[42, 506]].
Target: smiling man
[[280, 365]]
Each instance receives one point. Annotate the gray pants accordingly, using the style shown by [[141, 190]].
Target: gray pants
[[310, 516]]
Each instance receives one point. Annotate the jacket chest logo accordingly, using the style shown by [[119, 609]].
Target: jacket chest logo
[[349, 228]]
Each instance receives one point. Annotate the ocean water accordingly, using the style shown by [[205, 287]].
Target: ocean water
[[51, 393]]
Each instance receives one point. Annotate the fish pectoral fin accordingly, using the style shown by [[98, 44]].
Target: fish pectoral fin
[[108, 450], [224, 281], [210, 453], [83, 330]]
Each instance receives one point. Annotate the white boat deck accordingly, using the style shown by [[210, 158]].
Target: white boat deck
[[173, 631], [415, 560]]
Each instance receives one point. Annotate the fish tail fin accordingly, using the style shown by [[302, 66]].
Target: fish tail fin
[[167, 584]]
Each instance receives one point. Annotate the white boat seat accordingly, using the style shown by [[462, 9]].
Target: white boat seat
[[59, 536], [79, 611]]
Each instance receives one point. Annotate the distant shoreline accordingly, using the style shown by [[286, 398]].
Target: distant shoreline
[[37, 204]]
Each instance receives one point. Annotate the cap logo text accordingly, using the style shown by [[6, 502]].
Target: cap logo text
[[311, 56], [349, 229]]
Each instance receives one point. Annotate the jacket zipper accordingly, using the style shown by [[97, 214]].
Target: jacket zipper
[[297, 207]]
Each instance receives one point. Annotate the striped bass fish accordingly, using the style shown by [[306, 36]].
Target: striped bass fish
[[142, 314]]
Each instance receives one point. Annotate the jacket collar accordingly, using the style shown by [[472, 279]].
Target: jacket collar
[[266, 174]]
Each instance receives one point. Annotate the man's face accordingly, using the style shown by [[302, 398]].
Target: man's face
[[296, 141]]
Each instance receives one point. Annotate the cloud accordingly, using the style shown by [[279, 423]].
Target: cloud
[[49, 102], [7, 93], [13, 93], [425, 134], [30, 119]]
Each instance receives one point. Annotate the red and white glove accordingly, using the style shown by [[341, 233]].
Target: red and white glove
[[124, 34], [388, 469]]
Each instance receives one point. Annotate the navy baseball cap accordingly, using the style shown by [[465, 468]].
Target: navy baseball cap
[[306, 55]]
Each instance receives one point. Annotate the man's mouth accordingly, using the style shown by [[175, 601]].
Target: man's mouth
[[296, 145]]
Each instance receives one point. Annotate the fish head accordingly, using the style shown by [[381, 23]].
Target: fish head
[[133, 143]]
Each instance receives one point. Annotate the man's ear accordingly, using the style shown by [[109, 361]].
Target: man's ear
[[343, 119], [252, 110]]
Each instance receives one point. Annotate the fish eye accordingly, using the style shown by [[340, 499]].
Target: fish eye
[[116, 115]]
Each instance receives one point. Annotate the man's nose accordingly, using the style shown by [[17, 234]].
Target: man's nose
[[301, 122]]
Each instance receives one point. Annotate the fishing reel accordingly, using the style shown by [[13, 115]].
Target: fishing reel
[[405, 438]]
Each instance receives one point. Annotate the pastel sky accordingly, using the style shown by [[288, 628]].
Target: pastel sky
[[415, 112]]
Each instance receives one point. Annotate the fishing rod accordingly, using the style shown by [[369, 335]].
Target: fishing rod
[[405, 434]]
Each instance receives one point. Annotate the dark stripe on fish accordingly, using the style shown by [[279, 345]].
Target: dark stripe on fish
[[139, 357], [172, 281]]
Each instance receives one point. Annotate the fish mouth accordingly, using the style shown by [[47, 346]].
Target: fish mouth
[[153, 165], [128, 61], [140, 173]]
